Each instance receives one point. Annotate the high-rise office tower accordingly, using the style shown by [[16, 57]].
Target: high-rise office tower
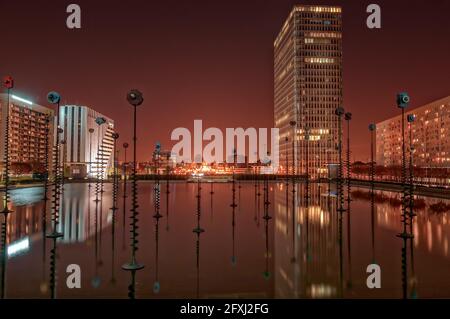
[[82, 150], [308, 87]]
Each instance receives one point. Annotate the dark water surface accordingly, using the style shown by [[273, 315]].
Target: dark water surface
[[298, 253]]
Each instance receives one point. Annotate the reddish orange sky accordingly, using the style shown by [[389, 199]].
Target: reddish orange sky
[[213, 60]]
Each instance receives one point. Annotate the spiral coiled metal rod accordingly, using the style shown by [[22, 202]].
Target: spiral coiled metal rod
[[115, 178], [124, 195], [97, 182], [133, 265], [405, 235], [349, 165], [340, 170], [6, 211], [56, 196], [134, 217], [157, 194]]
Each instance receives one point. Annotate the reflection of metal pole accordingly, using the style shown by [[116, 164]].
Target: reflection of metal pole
[[135, 98]]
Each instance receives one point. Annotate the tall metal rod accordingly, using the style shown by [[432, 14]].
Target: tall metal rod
[[9, 84], [402, 103], [135, 98], [55, 98]]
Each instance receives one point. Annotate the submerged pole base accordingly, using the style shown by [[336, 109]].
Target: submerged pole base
[[132, 266], [55, 235]]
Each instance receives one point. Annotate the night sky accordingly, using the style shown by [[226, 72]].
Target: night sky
[[213, 60]]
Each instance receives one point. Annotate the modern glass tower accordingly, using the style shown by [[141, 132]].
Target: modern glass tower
[[308, 87]]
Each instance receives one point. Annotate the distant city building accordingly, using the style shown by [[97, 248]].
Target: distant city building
[[27, 123], [163, 160], [308, 86], [80, 146], [430, 133]]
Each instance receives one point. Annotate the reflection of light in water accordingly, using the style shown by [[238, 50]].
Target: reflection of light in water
[[429, 236], [321, 291], [416, 234], [19, 247], [315, 214], [26, 196], [439, 232]]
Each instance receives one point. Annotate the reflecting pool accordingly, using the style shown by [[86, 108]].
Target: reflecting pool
[[288, 244]]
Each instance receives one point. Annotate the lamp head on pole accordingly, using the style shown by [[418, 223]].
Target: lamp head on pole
[[135, 98], [339, 111], [91, 130], [125, 145], [115, 136], [8, 82], [403, 100], [372, 127], [100, 120], [411, 118], [348, 116], [53, 97]]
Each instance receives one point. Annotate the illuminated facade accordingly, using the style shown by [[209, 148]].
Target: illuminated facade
[[82, 147], [308, 86], [430, 134], [27, 124]]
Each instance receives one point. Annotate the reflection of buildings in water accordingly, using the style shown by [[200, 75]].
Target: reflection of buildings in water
[[431, 232], [26, 220], [314, 272], [78, 219]]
